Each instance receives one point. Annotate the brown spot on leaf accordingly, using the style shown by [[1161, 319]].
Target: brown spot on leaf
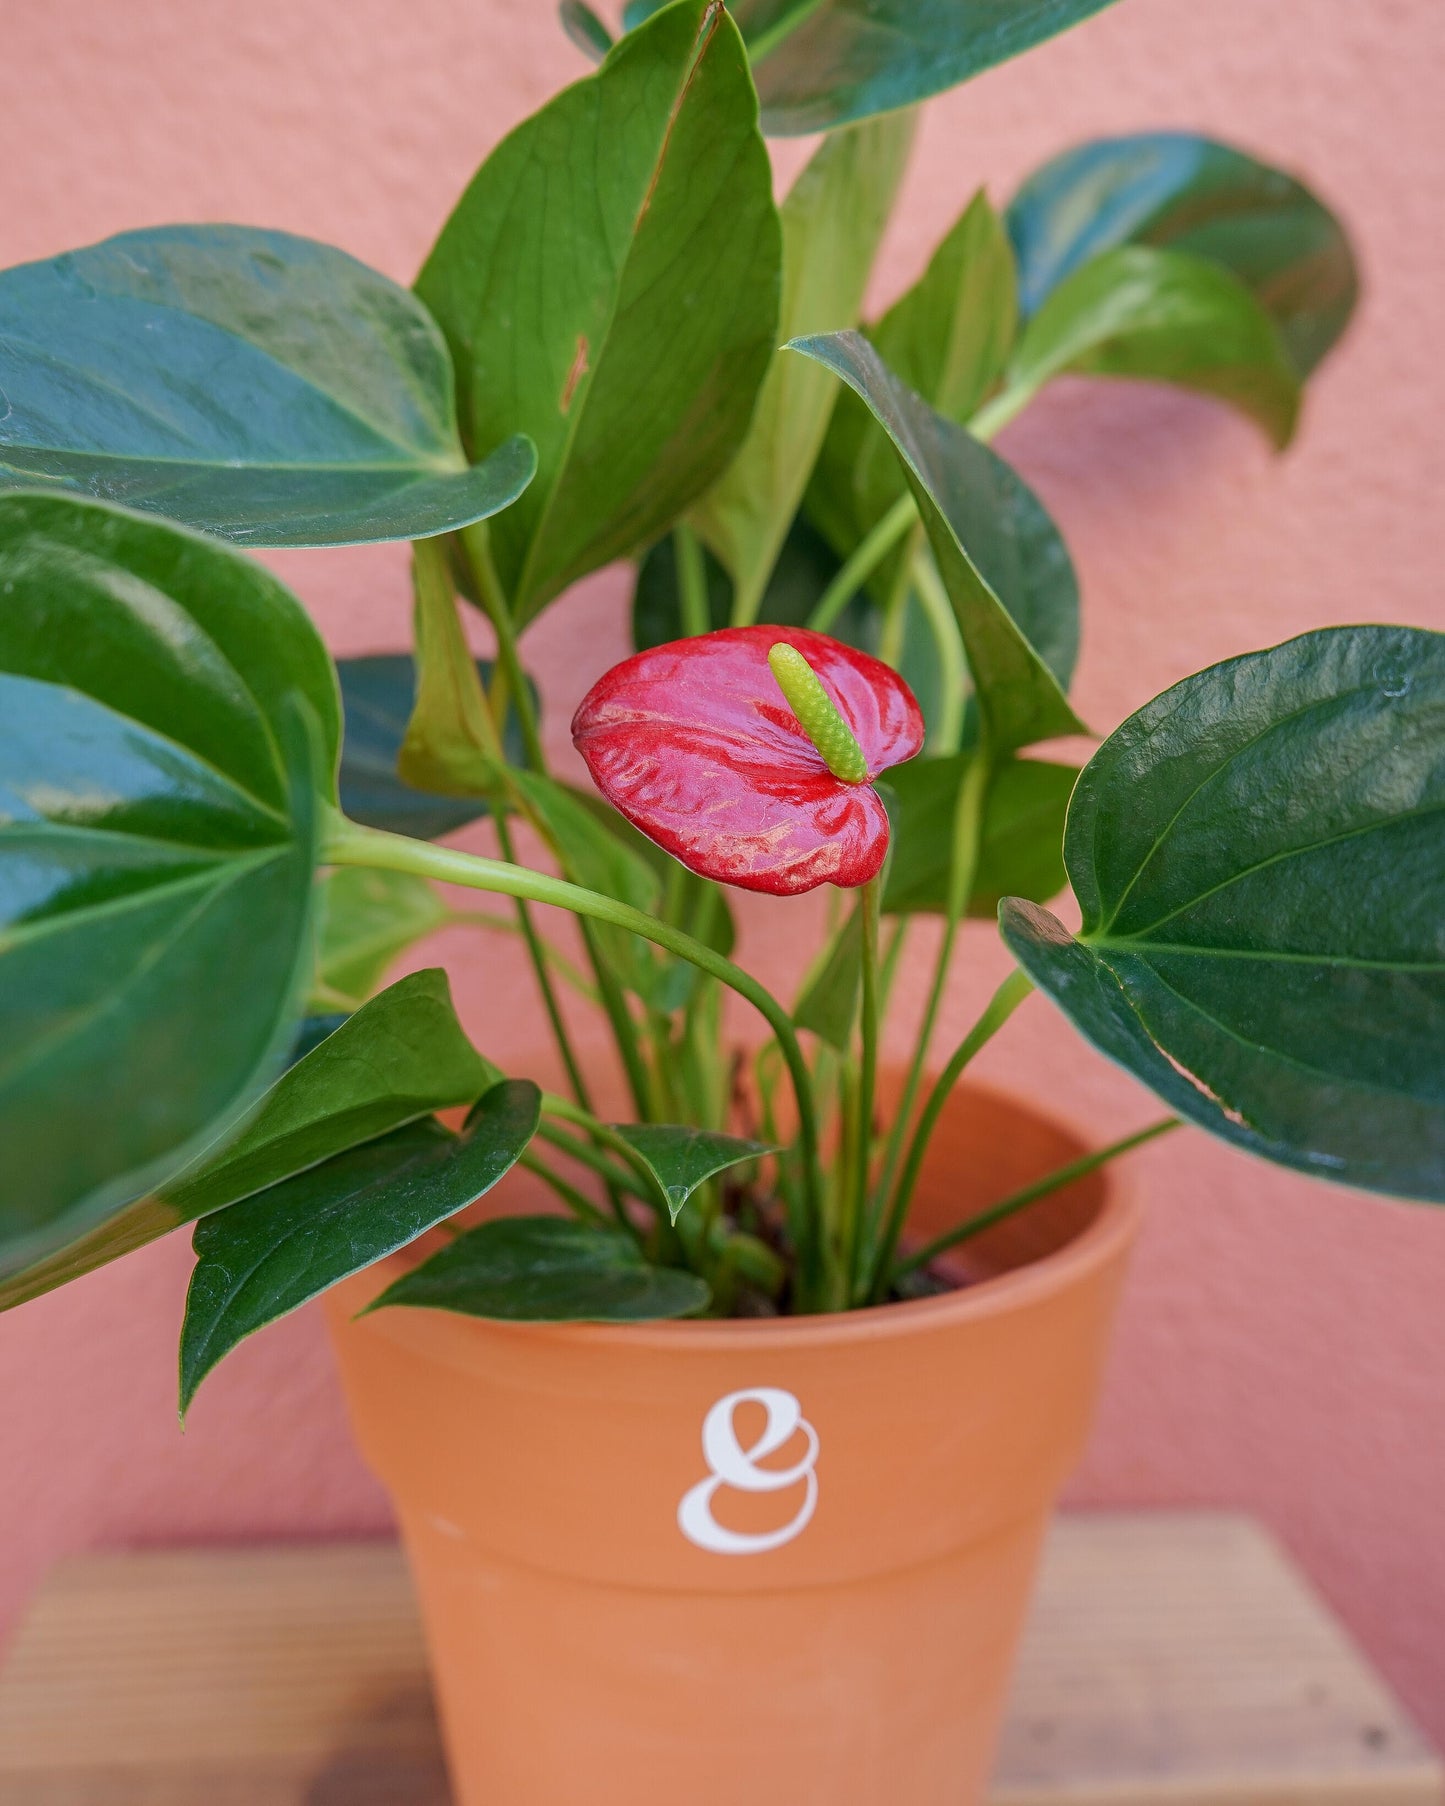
[[576, 373]]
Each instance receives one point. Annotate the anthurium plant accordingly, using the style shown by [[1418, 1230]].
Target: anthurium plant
[[855, 627]]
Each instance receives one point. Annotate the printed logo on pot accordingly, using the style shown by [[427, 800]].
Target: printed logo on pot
[[731, 1466]]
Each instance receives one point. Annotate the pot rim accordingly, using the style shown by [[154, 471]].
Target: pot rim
[[1106, 1238]]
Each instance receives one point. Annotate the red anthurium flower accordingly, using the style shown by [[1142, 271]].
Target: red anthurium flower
[[695, 743]]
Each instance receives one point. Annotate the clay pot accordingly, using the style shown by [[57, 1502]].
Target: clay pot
[[779, 1563]]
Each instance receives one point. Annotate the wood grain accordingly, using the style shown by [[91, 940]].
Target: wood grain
[[1174, 1660]]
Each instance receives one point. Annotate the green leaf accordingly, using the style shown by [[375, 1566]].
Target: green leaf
[[1022, 848], [1179, 192], [828, 1005], [1168, 317], [585, 29], [682, 1159], [364, 920], [266, 1257], [949, 340], [833, 220], [609, 284], [959, 486], [822, 63], [548, 1270], [1259, 858], [378, 693], [168, 729], [400, 1057], [806, 566], [258, 386]]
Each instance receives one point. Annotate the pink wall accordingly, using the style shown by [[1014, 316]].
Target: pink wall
[[1283, 1347]]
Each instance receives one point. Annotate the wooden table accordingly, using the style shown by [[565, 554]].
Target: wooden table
[[1174, 1660]]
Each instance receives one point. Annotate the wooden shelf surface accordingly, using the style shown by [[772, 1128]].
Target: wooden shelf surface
[[1173, 1660]]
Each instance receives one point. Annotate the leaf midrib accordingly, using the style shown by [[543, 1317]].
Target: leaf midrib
[[157, 949], [1102, 815], [1377, 826]]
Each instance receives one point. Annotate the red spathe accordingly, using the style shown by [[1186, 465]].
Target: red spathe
[[695, 745]]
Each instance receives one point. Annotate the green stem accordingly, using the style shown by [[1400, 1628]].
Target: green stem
[[888, 533], [477, 545], [691, 581], [536, 952], [854, 1214], [963, 866], [579, 1205], [654, 1190], [1005, 1001], [349, 844], [571, 975], [995, 415], [618, 1179], [1030, 1194], [947, 734]]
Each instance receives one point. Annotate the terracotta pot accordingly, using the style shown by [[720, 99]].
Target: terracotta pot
[[757, 1563]]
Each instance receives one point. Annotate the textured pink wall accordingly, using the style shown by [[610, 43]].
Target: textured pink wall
[[1283, 1347]]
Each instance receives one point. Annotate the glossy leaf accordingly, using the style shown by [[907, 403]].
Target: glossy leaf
[[261, 387], [398, 1058], [548, 1270], [266, 1257], [833, 220], [377, 693], [168, 726], [1022, 848], [1168, 317], [1259, 856], [822, 63], [682, 1159], [1179, 192], [828, 1006], [585, 29], [948, 339], [364, 921], [609, 284], [958, 484]]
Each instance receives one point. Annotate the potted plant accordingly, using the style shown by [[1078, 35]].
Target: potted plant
[[728, 1474]]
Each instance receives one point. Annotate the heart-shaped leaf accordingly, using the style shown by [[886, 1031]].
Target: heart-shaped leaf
[[548, 1270], [948, 339], [378, 693], [682, 1158], [168, 728], [1021, 853], [261, 387], [1168, 317], [400, 1057], [1259, 855], [822, 63], [1179, 192], [638, 205], [365, 920], [833, 220], [266, 1257], [966, 496]]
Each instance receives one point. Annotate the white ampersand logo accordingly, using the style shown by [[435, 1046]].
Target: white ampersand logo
[[733, 1466]]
